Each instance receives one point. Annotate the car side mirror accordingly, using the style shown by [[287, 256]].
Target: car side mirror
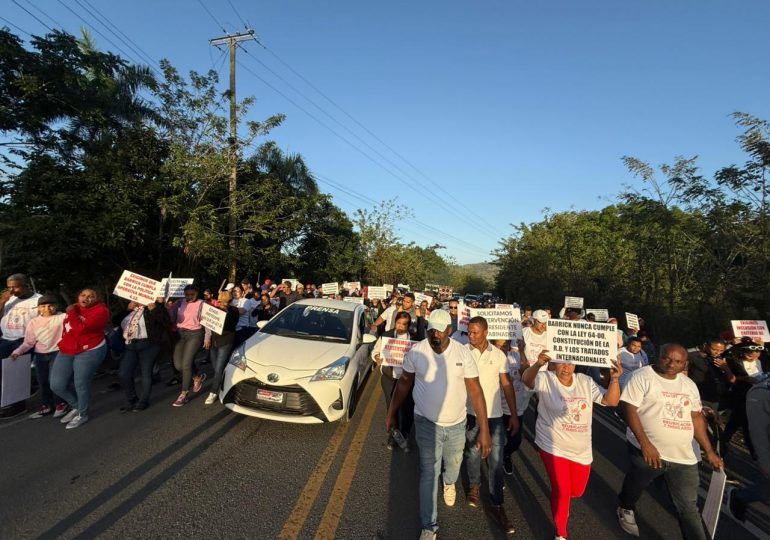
[[261, 324], [368, 339]]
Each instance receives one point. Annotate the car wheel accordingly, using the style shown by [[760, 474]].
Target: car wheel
[[352, 402]]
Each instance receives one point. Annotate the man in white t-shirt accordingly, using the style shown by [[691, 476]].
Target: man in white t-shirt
[[663, 411], [445, 376], [493, 377], [18, 305]]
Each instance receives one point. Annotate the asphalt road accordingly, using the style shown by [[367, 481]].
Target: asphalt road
[[203, 472]]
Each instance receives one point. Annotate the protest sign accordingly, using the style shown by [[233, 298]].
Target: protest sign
[[713, 504], [16, 379], [138, 288], [353, 285], [354, 299], [501, 323], [503, 306], [373, 292], [432, 286], [756, 330], [213, 318], [463, 316], [388, 288], [632, 321], [445, 293], [582, 343], [175, 286], [402, 286], [329, 289], [393, 351], [601, 315], [294, 283], [420, 297], [573, 302]]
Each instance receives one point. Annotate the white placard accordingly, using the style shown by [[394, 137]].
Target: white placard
[[373, 292], [329, 289], [402, 286], [354, 299], [501, 323], [388, 288], [353, 285], [713, 503], [445, 292], [419, 298], [394, 350], [463, 316], [582, 343], [432, 287], [138, 288], [601, 315], [175, 286], [632, 321], [16, 380], [756, 330], [294, 283], [573, 302], [503, 306], [213, 318]]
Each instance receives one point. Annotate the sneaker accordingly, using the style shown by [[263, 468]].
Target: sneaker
[[181, 400], [44, 410], [507, 465], [61, 410], [67, 418], [735, 506], [627, 521], [391, 444], [212, 397], [198, 383], [474, 496], [450, 494], [77, 421], [427, 534], [498, 512]]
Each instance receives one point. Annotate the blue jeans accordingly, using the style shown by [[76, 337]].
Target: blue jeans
[[436, 443], [498, 433], [72, 375], [219, 356], [682, 482], [142, 352], [43, 365]]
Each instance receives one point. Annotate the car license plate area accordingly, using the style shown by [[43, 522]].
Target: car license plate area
[[270, 396]]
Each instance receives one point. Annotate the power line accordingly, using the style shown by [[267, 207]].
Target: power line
[[238, 14], [362, 126], [32, 15], [54, 21], [220, 25], [16, 27]]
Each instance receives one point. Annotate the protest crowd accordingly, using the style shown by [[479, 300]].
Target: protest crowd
[[682, 406]]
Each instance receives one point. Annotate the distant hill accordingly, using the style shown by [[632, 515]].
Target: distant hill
[[484, 270]]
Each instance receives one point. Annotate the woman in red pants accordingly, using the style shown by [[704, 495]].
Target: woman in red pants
[[563, 428]]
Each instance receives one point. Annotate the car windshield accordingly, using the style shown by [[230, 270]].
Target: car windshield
[[312, 322]]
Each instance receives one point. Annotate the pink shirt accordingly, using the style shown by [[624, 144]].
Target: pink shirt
[[42, 333], [188, 316]]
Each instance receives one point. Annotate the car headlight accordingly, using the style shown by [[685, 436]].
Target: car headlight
[[332, 372], [238, 358]]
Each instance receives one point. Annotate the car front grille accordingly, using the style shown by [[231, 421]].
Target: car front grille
[[297, 401]]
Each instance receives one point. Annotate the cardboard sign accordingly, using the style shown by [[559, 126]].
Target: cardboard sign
[[294, 283], [175, 286], [713, 502], [573, 302], [353, 285], [354, 299], [213, 318], [582, 343], [601, 315], [756, 330], [632, 321], [138, 288], [501, 323], [419, 298], [329, 289], [394, 350], [16, 380], [373, 292], [463, 316]]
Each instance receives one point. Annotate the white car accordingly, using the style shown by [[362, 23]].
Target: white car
[[305, 365]]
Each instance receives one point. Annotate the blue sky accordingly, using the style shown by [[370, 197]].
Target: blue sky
[[507, 107]]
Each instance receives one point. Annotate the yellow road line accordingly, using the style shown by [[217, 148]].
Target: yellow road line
[[298, 516], [331, 518]]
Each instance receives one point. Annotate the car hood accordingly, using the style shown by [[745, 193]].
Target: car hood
[[293, 354]]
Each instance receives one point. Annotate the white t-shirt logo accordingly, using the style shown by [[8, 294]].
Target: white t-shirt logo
[[676, 411], [572, 415]]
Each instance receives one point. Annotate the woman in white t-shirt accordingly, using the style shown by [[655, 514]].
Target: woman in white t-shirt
[[563, 428]]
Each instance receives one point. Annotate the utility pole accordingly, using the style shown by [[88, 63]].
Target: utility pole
[[232, 42]]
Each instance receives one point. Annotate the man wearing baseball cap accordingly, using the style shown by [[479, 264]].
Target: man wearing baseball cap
[[445, 376]]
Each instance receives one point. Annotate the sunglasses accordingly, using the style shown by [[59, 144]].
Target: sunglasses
[[753, 347]]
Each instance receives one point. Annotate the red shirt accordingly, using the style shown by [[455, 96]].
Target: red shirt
[[83, 328]]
